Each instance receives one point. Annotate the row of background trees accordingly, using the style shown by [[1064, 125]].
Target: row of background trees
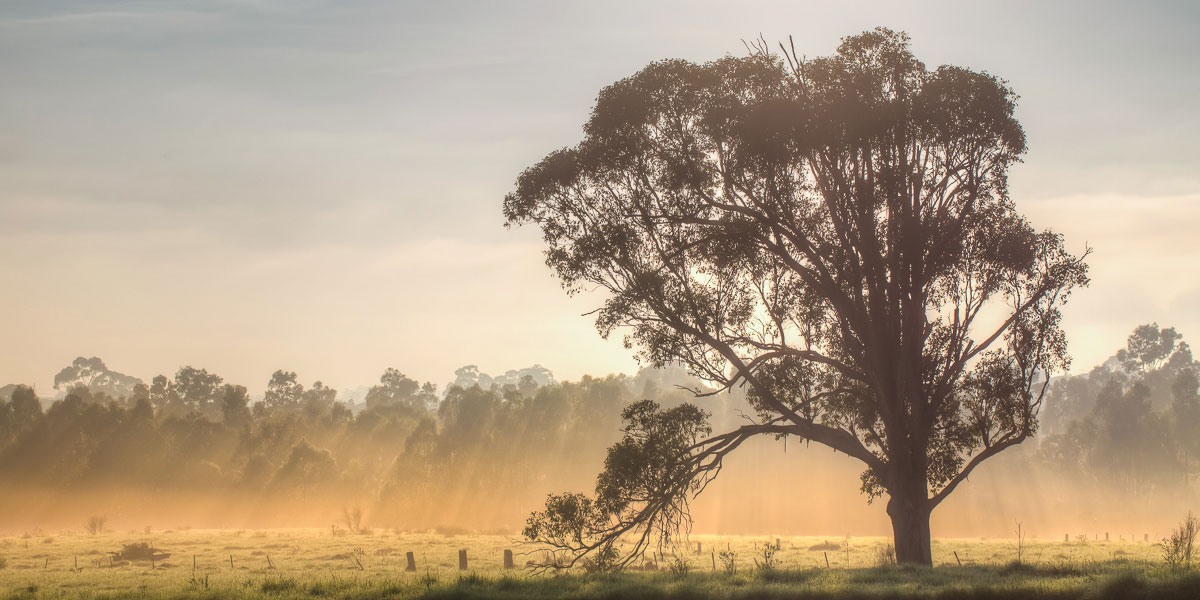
[[486, 451]]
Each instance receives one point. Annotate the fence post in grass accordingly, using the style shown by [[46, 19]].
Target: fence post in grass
[[508, 559], [698, 548], [1066, 537], [714, 559], [269, 565], [193, 564], [412, 562], [1106, 536], [778, 546], [826, 559], [462, 559], [230, 561], [76, 563], [957, 558], [1145, 537]]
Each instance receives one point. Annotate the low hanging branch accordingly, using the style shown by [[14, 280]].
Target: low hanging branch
[[663, 461]]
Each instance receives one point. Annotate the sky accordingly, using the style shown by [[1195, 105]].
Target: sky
[[246, 186]]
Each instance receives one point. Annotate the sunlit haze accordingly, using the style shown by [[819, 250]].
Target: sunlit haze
[[316, 186]]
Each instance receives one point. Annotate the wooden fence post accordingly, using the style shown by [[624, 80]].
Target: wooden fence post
[[508, 559], [462, 560], [412, 562]]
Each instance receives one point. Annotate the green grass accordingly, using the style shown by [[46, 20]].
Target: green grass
[[316, 564]]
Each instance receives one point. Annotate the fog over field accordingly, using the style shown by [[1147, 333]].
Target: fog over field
[[1113, 457], [681, 299]]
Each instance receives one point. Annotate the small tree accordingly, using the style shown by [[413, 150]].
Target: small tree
[[728, 561], [1179, 548], [95, 524], [352, 517], [765, 559]]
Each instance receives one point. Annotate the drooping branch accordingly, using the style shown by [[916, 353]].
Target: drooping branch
[[644, 492]]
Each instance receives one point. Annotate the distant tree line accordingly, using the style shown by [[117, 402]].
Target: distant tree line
[[405, 453], [490, 448], [1131, 423]]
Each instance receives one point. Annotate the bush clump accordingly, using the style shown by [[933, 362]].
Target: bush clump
[[1179, 548]]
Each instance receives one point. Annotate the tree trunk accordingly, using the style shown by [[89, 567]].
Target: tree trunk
[[910, 526]]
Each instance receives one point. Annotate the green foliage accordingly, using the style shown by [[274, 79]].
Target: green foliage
[[679, 566], [728, 561], [604, 560], [765, 556], [653, 456], [651, 463]]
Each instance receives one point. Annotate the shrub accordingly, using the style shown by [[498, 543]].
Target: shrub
[[1179, 548], [95, 524], [728, 561], [603, 560], [680, 566], [139, 551], [352, 517], [766, 553]]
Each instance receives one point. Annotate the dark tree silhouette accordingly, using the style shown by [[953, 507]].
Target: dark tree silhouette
[[1150, 347], [826, 232], [283, 391]]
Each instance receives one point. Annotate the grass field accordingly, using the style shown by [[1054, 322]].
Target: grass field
[[294, 563]]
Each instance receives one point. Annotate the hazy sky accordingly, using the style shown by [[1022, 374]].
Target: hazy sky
[[316, 186]]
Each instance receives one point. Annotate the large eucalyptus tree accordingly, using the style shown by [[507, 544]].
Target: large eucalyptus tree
[[835, 234]]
